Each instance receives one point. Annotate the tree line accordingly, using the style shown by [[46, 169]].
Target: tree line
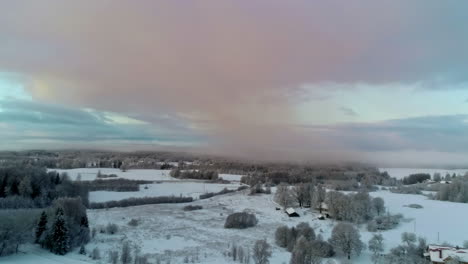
[[34, 187]]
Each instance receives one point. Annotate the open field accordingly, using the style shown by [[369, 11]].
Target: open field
[[181, 188], [166, 231], [400, 173]]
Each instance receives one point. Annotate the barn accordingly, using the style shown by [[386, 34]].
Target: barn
[[291, 212]]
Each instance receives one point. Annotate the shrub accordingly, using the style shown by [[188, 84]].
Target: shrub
[[385, 222], [192, 207], [112, 229], [134, 222], [240, 220], [415, 206], [243, 187]]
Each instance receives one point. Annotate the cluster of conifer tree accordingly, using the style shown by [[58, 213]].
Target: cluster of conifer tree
[[63, 227]]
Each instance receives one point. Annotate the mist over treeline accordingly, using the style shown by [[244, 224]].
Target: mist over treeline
[[69, 159]]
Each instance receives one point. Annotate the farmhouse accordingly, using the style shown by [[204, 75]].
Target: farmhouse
[[440, 254], [291, 212]]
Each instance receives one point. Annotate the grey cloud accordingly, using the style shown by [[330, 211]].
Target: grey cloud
[[42, 122]]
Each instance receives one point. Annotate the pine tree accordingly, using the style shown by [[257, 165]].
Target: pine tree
[[82, 250], [41, 227], [84, 222], [60, 244]]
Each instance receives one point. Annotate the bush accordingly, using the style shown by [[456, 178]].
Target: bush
[[192, 207], [243, 187], [415, 206], [134, 222], [385, 222], [240, 220], [112, 229]]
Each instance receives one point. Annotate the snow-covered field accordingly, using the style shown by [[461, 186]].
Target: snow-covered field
[[400, 173], [89, 174], [167, 230], [231, 177], [182, 188]]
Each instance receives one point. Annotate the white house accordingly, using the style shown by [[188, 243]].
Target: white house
[[442, 254]]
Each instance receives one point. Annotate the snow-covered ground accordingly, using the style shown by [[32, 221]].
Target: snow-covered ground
[[231, 177], [400, 173], [167, 230], [181, 188], [89, 174], [437, 221], [203, 230]]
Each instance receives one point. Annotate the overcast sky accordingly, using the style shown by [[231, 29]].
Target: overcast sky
[[379, 81]]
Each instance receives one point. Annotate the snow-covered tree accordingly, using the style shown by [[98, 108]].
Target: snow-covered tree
[[321, 249], [113, 257], [346, 239], [96, 254], [59, 234], [301, 252], [82, 250], [408, 238], [281, 236], [376, 246], [283, 195], [318, 197], [378, 204], [304, 229], [261, 252], [25, 187], [41, 227], [125, 255]]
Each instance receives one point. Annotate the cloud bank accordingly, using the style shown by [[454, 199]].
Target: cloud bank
[[227, 74]]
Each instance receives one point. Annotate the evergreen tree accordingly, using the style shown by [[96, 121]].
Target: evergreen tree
[[84, 222], [41, 227], [59, 235], [82, 250]]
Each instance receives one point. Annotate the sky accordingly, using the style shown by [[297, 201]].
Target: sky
[[370, 81]]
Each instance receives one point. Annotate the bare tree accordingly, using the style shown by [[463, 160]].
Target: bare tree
[[301, 252], [261, 252], [125, 256], [346, 239], [408, 238], [318, 197], [281, 236], [376, 246], [113, 257], [378, 204], [96, 254], [283, 195]]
